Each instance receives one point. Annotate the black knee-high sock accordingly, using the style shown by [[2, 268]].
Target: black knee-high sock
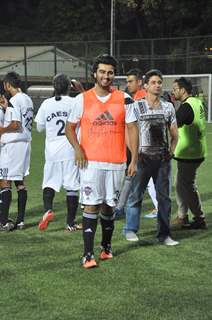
[[72, 205], [48, 196], [89, 222], [22, 199], [107, 224], [6, 198]]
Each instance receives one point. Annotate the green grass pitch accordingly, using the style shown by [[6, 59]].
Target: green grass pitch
[[41, 278]]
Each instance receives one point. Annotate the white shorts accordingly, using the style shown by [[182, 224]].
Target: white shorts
[[15, 160], [99, 186], [61, 173]]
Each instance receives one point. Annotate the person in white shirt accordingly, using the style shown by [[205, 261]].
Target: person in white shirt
[[158, 138], [60, 169], [15, 150], [102, 113]]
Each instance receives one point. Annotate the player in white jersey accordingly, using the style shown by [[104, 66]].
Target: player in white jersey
[[3, 105], [16, 148], [60, 169]]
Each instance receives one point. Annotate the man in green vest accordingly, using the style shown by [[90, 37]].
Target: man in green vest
[[190, 152]]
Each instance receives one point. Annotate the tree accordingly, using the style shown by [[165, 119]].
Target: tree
[[53, 20], [69, 20]]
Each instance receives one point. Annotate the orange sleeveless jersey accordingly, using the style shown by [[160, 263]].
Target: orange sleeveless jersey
[[102, 128], [139, 94]]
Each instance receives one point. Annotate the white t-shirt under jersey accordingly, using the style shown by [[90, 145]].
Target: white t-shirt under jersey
[[20, 109], [52, 115], [76, 115]]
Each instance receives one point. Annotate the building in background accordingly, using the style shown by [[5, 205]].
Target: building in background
[[38, 64]]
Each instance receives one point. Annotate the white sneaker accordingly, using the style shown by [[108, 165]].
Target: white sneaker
[[9, 226], [170, 242], [152, 214], [131, 236], [20, 225]]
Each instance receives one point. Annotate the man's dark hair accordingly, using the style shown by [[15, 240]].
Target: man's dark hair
[[104, 59], [151, 73], [13, 78], [61, 85], [135, 72], [3, 92], [184, 83]]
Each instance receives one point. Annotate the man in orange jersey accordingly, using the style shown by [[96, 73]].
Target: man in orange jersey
[[102, 115], [134, 84]]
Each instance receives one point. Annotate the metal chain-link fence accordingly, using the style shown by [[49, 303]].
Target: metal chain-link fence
[[40, 61]]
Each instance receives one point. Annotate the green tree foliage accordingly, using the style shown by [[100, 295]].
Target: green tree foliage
[[165, 18], [76, 19], [53, 20]]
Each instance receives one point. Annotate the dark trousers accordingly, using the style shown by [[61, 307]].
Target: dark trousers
[[187, 195]]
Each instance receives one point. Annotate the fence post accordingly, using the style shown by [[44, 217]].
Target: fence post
[[187, 55], [55, 60], [25, 66], [86, 63], [152, 54], [118, 56], [209, 98]]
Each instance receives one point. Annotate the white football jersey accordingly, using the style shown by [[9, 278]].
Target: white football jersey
[[1, 120], [53, 115], [20, 109]]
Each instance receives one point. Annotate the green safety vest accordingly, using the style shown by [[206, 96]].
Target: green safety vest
[[191, 138]]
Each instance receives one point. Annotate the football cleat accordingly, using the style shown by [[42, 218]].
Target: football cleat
[[47, 217], [9, 226], [20, 225], [88, 262], [106, 253]]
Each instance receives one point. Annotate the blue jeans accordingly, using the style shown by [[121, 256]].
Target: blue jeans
[[119, 213], [160, 171]]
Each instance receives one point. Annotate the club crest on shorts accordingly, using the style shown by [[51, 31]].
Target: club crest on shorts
[[87, 190]]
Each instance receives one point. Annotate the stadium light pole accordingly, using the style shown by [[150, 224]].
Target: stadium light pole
[[112, 27]]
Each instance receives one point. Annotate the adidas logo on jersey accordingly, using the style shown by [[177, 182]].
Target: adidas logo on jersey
[[104, 119]]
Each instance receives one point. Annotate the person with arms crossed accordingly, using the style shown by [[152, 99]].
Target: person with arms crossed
[[190, 152], [59, 168], [103, 115], [157, 122], [16, 149]]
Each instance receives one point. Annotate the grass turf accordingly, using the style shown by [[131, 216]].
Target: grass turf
[[41, 278]]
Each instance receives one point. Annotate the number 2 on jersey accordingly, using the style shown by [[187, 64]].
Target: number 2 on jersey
[[61, 124]]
